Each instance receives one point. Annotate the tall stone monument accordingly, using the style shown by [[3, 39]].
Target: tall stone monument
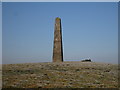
[[57, 49]]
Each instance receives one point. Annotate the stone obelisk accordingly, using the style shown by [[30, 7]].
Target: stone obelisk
[[57, 49]]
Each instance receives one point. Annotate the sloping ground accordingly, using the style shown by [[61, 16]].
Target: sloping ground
[[0, 76], [60, 75]]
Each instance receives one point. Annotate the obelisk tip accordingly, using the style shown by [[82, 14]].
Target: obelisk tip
[[57, 18]]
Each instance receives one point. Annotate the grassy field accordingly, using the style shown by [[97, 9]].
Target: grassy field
[[60, 75]]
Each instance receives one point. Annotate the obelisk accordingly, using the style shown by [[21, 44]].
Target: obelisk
[[57, 48]]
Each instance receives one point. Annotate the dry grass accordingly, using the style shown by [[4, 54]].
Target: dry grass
[[60, 75]]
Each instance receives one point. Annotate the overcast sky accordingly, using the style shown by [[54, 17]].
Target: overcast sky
[[90, 30]]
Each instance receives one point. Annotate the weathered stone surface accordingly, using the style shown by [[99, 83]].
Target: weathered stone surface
[[57, 49]]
